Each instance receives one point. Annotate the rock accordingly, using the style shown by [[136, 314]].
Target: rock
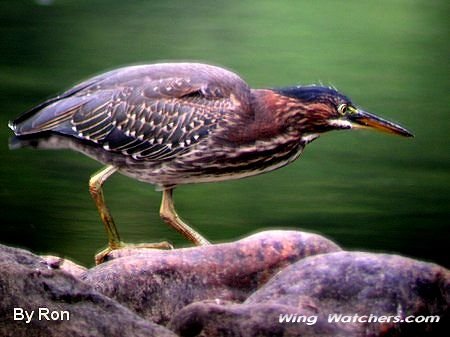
[[157, 283], [209, 319], [28, 282], [250, 287], [350, 283], [65, 265]]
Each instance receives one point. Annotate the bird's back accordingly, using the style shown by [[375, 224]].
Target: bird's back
[[170, 124], [147, 112]]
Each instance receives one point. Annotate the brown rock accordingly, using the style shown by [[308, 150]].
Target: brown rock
[[352, 283], [65, 265], [199, 291], [207, 319], [155, 283], [28, 282]]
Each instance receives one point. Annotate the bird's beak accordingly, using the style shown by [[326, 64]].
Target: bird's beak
[[363, 119]]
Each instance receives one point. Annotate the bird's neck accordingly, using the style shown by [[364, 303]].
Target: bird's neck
[[277, 114], [273, 117]]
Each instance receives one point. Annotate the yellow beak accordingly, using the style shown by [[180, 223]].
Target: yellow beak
[[363, 119]]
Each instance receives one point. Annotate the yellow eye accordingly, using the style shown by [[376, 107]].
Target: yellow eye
[[342, 109]]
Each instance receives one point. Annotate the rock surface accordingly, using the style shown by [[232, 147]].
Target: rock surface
[[210, 319], [29, 283], [68, 266], [336, 283], [244, 288], [156, 283], [352, 283]]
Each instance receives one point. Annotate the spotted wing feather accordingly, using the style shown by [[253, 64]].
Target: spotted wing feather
[[147, 112]]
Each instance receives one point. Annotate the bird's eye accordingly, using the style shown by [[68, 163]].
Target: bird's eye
[[342, 109]]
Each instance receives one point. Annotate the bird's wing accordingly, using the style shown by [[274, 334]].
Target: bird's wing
[[147, 112]]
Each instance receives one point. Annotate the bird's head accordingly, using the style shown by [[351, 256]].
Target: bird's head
[[321, 109]]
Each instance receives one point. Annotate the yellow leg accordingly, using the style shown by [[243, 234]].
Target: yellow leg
[[170, 216], [95, 188]]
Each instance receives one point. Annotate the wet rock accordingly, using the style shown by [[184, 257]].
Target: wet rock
[[155, 283], [62, 304], [352, 283]]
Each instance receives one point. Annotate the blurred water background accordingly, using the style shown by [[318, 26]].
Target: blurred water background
[[364, 190]]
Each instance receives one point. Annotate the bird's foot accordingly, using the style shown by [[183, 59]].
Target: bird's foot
[[102, 255]]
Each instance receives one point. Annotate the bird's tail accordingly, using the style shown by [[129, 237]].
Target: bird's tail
[[44, 141], [49, 116]]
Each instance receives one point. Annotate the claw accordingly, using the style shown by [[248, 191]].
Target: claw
[[100, 257], [103, 254]]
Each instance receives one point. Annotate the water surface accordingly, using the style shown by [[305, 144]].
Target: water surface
[[364, 190]]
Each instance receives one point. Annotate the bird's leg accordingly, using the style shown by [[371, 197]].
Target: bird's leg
[[170, 216], [95, 188]]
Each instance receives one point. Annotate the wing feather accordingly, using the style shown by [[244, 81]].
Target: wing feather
[[151, 112]]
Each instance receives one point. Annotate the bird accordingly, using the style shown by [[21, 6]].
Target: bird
[[170, 124]]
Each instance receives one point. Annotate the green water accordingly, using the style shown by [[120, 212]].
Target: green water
[[364, 190]]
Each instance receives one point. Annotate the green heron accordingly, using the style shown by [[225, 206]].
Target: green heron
[[178, 123]]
